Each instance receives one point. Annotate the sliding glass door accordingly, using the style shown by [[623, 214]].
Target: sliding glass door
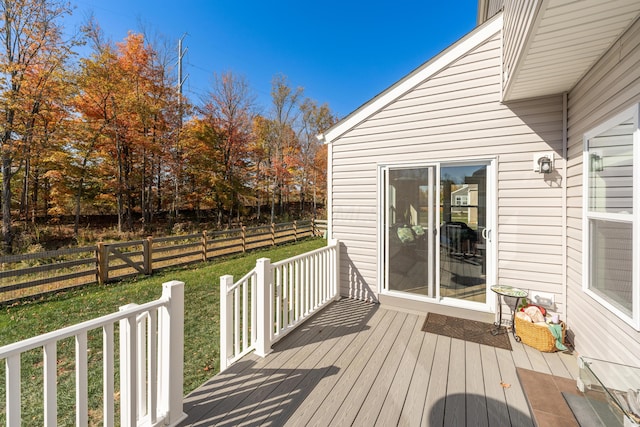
[[410, 230], [436, 230], [463, 228]]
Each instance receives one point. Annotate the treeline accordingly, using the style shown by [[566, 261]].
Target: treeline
[[110, 133]]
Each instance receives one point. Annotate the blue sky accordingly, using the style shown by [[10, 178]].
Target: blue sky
[[342, 52]]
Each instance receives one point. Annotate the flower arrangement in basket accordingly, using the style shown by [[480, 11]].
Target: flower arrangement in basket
[[537, 330]]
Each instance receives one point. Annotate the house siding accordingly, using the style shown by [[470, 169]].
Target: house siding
[[610, 87], [453, 115], [518, 18], [494, 7]]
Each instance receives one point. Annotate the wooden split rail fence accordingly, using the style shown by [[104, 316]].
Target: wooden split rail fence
[[29, 275]]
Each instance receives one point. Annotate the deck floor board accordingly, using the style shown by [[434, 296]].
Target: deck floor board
[[359, 364], [396, 397], [476, 393]]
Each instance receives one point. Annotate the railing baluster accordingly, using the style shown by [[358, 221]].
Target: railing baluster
[[313, 283], [320, 284], [128, 375], [307, 289], [309, 283], [278, 292], [82, 383], [297, 280], [336, 269], [141, 367], [285, 296], [152, 368], [254, 311], [245, 315], [322, 277], [50, 384], [292, 300], [236, 320], [108, 384], [319, 278]]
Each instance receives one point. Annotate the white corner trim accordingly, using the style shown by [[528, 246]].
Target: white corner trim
[[472, 40]]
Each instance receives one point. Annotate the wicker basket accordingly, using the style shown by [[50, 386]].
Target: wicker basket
[[537, 336]]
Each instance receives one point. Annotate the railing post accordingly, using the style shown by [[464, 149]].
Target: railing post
[[226, 321], [244, 238], [172, 338], [147, 255], [13, 391], [264, 303], [102, 262], [203, 243], [336, 268], [313, 227], [295, 231]]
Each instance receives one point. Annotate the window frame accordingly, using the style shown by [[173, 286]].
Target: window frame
[[632, 113]]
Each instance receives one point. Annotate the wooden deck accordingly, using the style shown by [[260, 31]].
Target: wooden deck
[[356, 363]]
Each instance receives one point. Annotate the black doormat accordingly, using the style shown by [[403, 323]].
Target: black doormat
[[468, 330]]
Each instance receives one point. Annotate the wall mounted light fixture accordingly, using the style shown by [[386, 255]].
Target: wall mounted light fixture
[[543, 162], [597, 163]]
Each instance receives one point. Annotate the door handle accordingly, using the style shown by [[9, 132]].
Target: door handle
[[486, 233]]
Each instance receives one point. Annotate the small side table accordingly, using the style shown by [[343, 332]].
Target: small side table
[[508, 291]]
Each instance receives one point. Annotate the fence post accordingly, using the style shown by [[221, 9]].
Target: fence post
[[244, 238], [295, 231], [264, 303], [172, 351], [102, 255], [313, 227], [147, 255], [226, 321], [203, 241], [273, 234]]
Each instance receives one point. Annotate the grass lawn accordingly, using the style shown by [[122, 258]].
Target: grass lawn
[[202, 332]]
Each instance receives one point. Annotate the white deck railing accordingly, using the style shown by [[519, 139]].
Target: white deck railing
[[151, 364], [273, 299]]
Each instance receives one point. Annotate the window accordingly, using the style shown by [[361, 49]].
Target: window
[[611, 220], [461, 201]]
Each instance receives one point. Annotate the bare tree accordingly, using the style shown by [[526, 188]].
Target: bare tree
[[229, 106], [313, 121], [285, 113]]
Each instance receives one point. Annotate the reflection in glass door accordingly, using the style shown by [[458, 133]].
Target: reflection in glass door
[[409, 226], [435, 225], [463, 220]]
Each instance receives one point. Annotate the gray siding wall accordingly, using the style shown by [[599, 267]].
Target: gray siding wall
[[457, 114], [494, 7], [518, 18], [610, 87]]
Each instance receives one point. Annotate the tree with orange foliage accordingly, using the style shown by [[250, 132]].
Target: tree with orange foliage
[[125, 104], [224, 128], [32, 44]]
